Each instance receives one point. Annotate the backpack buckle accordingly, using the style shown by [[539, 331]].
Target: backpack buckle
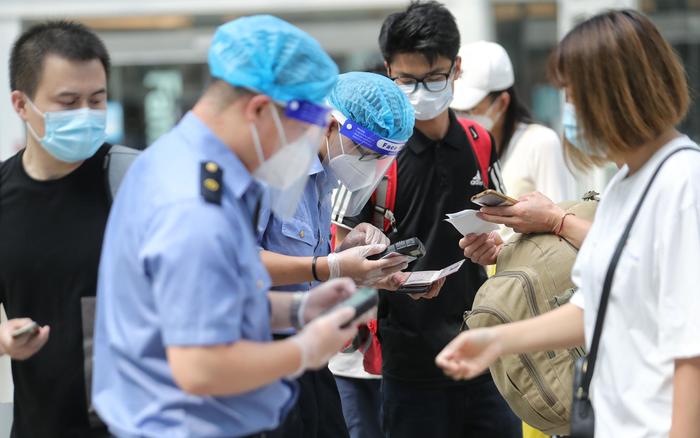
[[591, 195], [388, 215]]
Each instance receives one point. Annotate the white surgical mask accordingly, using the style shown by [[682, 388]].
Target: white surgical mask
[[486, 120], [428, 104], [353, 173]]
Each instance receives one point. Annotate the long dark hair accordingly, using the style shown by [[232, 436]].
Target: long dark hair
[[516, 113]]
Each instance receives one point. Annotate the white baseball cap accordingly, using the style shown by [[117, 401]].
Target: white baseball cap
[[486, 67]]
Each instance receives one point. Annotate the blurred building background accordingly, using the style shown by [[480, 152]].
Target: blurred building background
[[159, 47]]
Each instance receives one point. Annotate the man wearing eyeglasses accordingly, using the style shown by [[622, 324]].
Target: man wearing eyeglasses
[[437, 174]]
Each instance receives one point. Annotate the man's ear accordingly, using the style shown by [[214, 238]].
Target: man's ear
[[388, 68], [458, 67], [332, 127], [19, 104], [255, 106]]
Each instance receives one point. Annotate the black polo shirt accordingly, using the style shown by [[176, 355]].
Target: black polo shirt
[[434, 178]]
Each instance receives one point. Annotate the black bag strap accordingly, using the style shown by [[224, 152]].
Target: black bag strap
[[589, 365], [117, 161]]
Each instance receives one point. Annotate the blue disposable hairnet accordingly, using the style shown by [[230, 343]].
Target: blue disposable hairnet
[[270, 56], [374, 102]]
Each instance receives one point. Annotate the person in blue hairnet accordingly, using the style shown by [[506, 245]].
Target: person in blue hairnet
[[370, 123], [183, 343]]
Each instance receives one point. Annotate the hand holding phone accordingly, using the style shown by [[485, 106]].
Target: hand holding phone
[[412, 247], [492, 198], [362, 300], [29, 329], [21, 338]]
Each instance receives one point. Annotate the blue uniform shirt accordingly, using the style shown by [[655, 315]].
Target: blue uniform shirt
[[179, 271], [307, 233]]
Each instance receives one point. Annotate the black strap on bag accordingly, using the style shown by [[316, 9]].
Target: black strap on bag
[[582, 415]]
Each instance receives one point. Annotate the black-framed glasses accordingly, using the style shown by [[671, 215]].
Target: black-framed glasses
[[367, 155], [363, 153], [434, 82]]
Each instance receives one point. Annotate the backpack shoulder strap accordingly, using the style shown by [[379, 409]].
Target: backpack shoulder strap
[[117, 161], [480, 141], [384, 200]]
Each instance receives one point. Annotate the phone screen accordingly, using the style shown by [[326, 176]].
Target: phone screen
[[491, 201], [492, 198], [30, 328]]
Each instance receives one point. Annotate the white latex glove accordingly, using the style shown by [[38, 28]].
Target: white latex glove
[[25, 346], [325, 296], [353, 263], [363, 234], [322, 338]]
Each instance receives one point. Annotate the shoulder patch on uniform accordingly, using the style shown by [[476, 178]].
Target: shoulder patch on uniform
[[211, 182]]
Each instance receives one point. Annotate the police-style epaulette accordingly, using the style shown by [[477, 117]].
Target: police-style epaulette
[[211, 182]]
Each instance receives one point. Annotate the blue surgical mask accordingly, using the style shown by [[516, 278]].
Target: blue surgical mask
[[72, 135], [572, 133]]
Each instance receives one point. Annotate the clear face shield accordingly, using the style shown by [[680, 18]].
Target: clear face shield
[[285, 173], [358, 158]]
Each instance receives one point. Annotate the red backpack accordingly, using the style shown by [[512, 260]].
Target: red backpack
[[384, 200]]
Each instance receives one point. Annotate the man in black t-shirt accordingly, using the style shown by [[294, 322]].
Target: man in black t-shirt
[[53, 209], [437, 174]]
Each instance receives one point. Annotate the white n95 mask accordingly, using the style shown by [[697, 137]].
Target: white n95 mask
[[358, 161], [350, 170], [285, 173]]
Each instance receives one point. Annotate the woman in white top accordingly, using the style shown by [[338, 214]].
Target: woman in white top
[[627, 91], [530, 154]]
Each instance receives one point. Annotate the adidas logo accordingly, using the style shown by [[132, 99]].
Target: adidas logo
[[477, 181]]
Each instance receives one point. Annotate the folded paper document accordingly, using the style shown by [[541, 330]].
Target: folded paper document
[[466, 221]]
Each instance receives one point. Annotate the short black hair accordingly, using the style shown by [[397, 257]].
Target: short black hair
[[428, 28], [67, 39]]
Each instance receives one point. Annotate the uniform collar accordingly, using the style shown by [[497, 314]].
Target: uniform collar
[[316, 166], [454, 138], [236, 177]]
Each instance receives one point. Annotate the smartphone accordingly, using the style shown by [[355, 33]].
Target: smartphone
[[418, 289], [412, 247], [492, 198], [362, 300], [32, 328]]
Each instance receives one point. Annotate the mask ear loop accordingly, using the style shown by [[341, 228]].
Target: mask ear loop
[[340, 138], [278, 125], [488, 110], [256, 142], [29, 126], [34, 107], [328, 148]]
